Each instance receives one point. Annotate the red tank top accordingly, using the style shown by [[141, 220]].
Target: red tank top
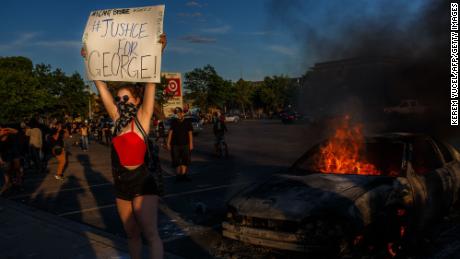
[[130, 148]]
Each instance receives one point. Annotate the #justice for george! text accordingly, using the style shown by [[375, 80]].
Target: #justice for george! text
[[125, 57]]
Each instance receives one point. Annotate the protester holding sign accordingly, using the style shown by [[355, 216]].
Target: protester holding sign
[[131, 110]]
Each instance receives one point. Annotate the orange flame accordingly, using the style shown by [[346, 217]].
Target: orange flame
[[341, 154]]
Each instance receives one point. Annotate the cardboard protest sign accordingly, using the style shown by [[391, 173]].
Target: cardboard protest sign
[[122, 44]]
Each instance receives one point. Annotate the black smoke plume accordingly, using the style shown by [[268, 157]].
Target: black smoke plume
[[415, 32]]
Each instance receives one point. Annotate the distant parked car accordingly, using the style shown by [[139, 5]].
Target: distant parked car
[[406, 107], [289, 117], [232, 118]]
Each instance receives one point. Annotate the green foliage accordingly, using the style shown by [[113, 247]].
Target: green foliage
[[26, 90], [21, 95], [16, 64], [206, 88], [242, 93]]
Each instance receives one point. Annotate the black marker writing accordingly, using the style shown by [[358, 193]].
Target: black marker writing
[[116, 64], [114, 29], [103, 64], [142, 69]]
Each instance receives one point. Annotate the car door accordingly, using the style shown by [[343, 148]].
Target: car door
[[429, 180], [451, 167]]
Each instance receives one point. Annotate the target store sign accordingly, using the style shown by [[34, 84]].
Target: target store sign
[[173, 86], [174, 81]]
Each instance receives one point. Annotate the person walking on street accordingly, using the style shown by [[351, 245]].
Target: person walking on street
[[107, 133], [84, 137], [35, 145], [219, 129], [58, 149], [180, 143], [46, 147], [161, 134], [10, 162], [137, 192]]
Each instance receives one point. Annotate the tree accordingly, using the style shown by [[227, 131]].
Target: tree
[[20, 90], [68, 95], [206, 88], [276, 92], [243, 91], [16, 64], [27, 90], [21, 95]]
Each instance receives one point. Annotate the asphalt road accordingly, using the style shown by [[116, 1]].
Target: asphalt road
[[191, 212]]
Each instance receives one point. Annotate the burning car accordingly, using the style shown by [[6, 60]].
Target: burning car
[[350, 191]]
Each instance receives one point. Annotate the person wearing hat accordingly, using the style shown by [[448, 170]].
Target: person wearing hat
[[180, 143]]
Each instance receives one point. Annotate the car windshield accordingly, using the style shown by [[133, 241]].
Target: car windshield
[[384, 157]]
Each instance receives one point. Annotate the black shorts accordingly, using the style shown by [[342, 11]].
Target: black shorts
[[180, 155], [132, 183]]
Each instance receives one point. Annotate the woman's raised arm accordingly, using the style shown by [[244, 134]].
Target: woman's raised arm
[[146, 110]]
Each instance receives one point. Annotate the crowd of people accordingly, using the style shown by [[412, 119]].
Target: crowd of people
[[28, 146]]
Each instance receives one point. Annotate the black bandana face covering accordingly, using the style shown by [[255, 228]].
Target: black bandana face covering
[[127, 111]]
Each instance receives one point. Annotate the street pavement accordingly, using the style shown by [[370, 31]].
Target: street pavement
[[77, 218], [27, 232], [190, 213]]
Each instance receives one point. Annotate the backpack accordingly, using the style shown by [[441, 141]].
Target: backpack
[[153, 159]]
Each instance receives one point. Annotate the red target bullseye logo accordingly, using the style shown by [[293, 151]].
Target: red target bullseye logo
[[173, 87]]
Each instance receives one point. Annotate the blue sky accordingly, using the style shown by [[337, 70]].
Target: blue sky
[[251, 39]]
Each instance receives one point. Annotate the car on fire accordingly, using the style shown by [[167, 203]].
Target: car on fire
[[408, 181]]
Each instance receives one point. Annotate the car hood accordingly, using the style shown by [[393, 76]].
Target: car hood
[[291, 197]]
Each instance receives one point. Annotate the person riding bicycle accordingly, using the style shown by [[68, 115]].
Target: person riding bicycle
[[219, 129]]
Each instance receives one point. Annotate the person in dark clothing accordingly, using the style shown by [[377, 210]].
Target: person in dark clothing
[[57, 149], [107, 133], [35, 145], [10, 162], [180, 143], [46, 149], [161, 133], [219, 129]]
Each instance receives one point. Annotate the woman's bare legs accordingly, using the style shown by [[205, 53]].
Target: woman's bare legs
[[6, 184], [61, 163], [146, 211], [132, 229]]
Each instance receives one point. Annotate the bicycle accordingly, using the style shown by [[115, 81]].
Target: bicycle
[[222, 148]]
